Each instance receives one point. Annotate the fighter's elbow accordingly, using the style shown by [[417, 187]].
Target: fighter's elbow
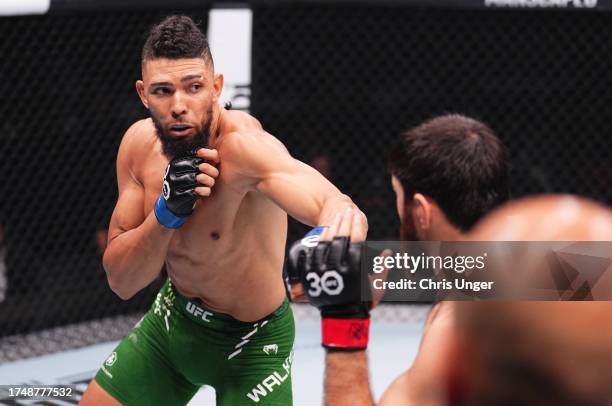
[[120, 289], [115, 282], [124, 295]]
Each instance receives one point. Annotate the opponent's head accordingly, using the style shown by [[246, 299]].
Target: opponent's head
[[179, 85], [549, 353], [447, 173]]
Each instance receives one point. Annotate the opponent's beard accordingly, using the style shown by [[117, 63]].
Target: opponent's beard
[[174, 147], [407, 228]]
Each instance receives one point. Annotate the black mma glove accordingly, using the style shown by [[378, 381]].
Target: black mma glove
[[178, 195], [332, 278]]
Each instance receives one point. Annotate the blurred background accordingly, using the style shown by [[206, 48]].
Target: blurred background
[[336, 81]]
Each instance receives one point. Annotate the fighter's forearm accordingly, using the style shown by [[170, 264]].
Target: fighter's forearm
[[336, 203], [134, 258], [346, 379]]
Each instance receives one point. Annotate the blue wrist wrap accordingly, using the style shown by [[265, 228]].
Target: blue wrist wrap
[[311, 239], [165, 217]]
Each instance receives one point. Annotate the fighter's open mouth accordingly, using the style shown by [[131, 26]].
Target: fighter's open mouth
[[179, 127]]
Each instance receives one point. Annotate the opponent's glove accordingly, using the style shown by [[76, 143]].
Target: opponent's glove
[[332, 278], [178, 195]]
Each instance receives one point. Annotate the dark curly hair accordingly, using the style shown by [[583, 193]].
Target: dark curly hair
[[176, 37], [457, 161]]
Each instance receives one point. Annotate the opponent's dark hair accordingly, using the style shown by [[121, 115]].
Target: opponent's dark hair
[[458, 162], [176, 37]]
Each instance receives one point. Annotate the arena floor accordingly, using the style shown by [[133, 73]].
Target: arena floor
[[394, 341]]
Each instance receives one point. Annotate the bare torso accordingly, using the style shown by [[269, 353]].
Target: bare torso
[[230, 252]]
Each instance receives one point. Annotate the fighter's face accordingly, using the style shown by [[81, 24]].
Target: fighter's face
[[180, 94]]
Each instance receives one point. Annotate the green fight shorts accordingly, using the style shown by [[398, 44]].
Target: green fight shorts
[[179, 345]]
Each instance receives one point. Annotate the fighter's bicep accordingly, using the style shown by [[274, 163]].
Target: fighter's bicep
[[261, 162], [128, 213], [292, 194], [293, 176], [299, 189]]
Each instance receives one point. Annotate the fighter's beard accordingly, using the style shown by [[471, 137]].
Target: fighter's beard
[[174, 147]]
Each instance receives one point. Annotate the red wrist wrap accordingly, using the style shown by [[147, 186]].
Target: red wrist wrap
[[345, 333]]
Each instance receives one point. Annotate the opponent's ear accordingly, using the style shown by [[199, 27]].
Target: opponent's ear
[[399, 197], [421, 212], [141, 93], [218, 86]]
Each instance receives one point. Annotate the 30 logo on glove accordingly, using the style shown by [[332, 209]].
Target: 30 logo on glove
[[332, 278], [331, 283]]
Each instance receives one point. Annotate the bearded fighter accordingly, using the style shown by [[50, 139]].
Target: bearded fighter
[[447, 173], [497, 352], [205, 191]]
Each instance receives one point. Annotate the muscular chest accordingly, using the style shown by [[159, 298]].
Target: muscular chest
[[212, 215]]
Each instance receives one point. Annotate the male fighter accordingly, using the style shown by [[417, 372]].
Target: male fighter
[[537, 353], [205, 191], [484, 353], [447, 173]]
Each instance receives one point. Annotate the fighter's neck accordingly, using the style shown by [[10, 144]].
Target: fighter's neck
[[216, 127]]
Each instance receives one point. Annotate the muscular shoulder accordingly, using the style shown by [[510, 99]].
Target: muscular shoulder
[[139, 140], [252, 152], [239, 121], [139, 137], [137, 143], [248, 144]]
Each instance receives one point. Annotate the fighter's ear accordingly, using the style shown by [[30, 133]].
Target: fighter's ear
[[422, 212], [218, 85], [400, 198], [141, 93]]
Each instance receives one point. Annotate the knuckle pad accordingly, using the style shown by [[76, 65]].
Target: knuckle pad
[[319, 257]]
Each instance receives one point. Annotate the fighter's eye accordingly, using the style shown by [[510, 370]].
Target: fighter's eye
[[195, 87], [161, 91]]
